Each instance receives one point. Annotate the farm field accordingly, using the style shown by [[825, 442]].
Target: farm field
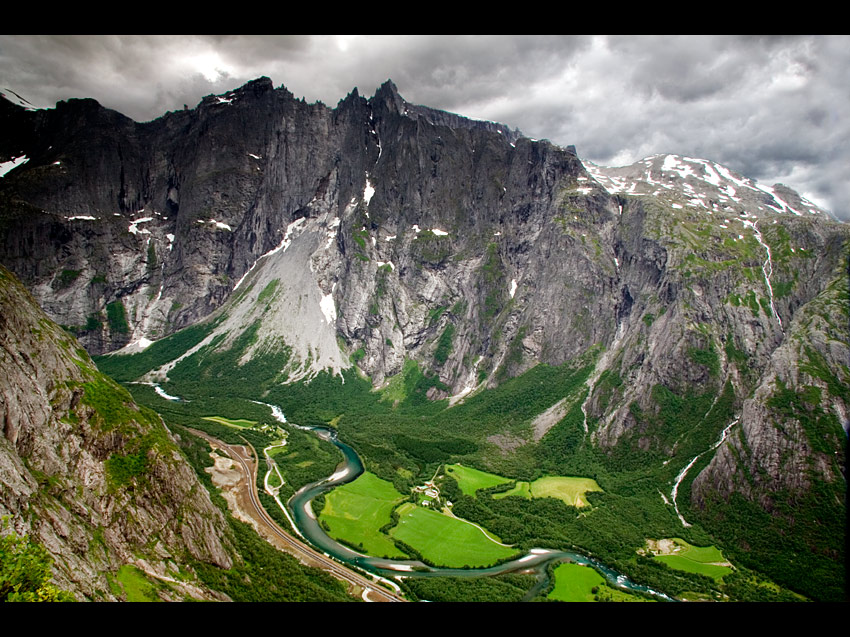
[[470, 480], [520, 489], [355, 513], [570, 490], [447, 541], [679, 554], [576, 583], [230, 422]]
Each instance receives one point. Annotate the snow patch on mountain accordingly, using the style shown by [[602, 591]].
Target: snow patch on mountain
[[134, 226], [328, 308], [6, 166], [288, 235], [700, 183]]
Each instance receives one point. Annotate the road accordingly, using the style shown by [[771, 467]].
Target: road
[[271, 531]]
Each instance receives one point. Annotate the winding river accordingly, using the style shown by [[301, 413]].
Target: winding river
[[536, 560]]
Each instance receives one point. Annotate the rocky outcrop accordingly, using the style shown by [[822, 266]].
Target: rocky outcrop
[[794, 426], [88, 474]]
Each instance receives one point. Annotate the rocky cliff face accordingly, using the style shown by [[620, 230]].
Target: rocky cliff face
[[379, 232], [85, 472]]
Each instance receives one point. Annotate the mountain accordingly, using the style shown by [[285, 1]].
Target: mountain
[[100, 487], [86, 472], [452, 256]]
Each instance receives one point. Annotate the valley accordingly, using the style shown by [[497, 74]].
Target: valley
[[382, 514], [462, 356]]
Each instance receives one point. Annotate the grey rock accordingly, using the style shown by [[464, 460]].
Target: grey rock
[[53, 454]]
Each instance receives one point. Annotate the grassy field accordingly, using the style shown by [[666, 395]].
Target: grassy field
[[137, 587], [690, 566], [570, 490], [705, 554], [705, 560], [521, 490], [229, 422], [576, 583], [470, 480], [274, 480], [356, 511], [446, 541]]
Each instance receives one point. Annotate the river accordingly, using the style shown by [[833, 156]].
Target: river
[[536, 560]]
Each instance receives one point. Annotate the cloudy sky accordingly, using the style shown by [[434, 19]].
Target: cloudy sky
[[773, 108]]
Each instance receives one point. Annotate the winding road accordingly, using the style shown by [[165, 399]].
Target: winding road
[[272, 532]]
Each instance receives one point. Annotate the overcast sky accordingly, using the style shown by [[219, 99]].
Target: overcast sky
[[772, 108]]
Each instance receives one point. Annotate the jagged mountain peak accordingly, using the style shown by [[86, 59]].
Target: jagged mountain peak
[[388, 95], [702, 184]]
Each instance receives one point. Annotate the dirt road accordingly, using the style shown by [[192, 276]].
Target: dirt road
[[238, 484]]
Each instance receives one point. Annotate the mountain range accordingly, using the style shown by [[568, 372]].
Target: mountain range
[[272, 246]]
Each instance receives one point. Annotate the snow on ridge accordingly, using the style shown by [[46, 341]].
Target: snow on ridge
[[513, 288], [784, 204], [283, 245], [16, 99], [672, 164], [81, 218], [701, 180], [438, 232], [6, 166], [711, 175]]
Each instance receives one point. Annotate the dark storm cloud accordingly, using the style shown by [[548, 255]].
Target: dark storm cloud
[[459, 70], [772, 108]]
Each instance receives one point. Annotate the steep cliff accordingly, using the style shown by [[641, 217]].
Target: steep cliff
[[85, 472]]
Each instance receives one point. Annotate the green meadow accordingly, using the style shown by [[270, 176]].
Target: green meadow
[[704, 560], [136, 586], [355, 512], [569, 490], [690, 566], [470, 480], [577, 583], [231, 422], [447, 541]]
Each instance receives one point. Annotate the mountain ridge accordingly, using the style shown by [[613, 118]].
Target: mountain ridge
[[378, 233]]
